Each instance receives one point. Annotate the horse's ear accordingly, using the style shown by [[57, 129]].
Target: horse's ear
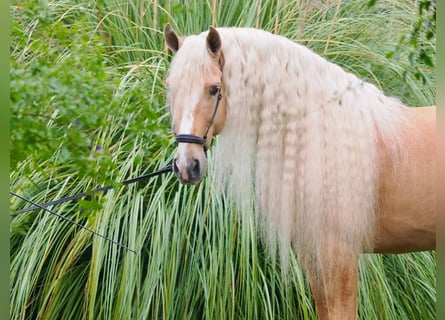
[[173, 41], [213, 41]]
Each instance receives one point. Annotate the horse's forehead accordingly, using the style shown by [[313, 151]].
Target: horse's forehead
[[192, 64]]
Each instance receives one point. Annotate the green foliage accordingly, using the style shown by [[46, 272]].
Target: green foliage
[[421, 39], [65, 94], [88, 109]]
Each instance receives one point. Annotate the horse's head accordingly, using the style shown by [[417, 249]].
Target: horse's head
[[196, 99]]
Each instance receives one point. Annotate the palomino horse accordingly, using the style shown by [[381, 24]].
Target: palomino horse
[[335, 167]]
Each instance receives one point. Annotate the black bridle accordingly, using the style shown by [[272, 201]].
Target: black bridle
[[191, 138]]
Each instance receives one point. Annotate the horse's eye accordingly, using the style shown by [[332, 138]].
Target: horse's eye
[[214, 90]]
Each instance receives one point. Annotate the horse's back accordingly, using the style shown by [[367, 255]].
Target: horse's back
[[406, 213]]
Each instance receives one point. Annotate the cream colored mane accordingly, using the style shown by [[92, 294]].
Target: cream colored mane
[[300, 139]]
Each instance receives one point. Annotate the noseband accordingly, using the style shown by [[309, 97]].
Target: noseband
[[191, 138]]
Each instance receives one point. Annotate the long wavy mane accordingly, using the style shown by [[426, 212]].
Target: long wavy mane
[[301, 138]]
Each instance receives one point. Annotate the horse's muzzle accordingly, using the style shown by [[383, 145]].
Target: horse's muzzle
[[189, 171]]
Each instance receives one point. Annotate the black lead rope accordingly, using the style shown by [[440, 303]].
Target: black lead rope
[[101, 189], [38, 206], [43, 206]]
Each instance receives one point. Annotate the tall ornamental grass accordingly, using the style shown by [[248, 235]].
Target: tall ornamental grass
[[88, 109]]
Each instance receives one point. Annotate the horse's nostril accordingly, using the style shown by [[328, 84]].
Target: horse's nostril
[[175, 166], [194, 169]]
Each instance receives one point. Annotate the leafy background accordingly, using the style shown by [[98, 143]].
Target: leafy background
[[87, 92]]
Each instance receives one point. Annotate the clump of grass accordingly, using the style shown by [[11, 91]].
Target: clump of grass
[[88, 109]]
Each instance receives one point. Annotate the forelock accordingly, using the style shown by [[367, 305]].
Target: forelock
[[189, 70], [189, 64]]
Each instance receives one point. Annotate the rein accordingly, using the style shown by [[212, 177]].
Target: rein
[[43, 206], [38, 206], [101, 189]]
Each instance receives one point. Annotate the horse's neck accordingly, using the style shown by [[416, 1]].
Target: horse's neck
[[274, 87], [270, 78], [273, 67], [271, 82]]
